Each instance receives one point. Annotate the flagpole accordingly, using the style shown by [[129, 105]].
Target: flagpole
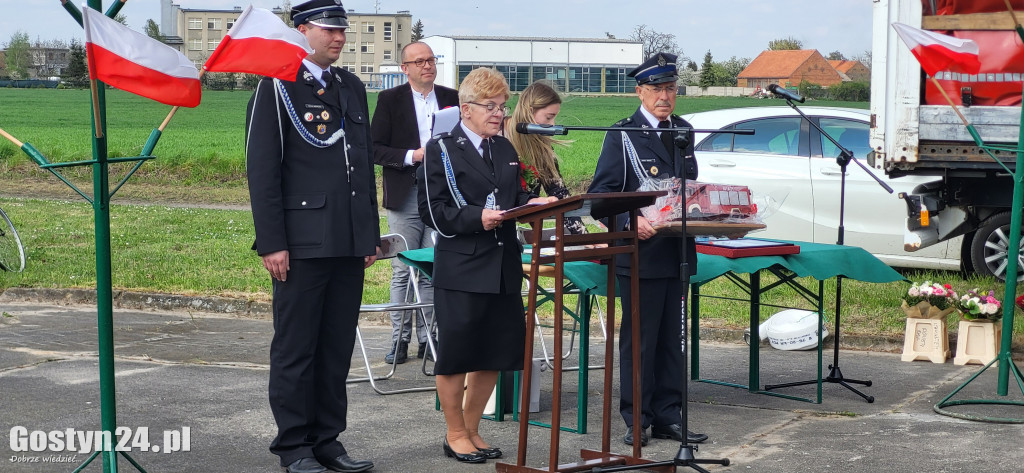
[[9, 137], [96, 108], [951, 104], [1012, 13], [175, 108]]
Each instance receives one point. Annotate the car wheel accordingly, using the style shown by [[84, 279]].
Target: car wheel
[[989, 248]]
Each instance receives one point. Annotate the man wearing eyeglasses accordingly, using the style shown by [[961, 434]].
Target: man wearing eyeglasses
[[624, 164], [314, 206], [402, 124]]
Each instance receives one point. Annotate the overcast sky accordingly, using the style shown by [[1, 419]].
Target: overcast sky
[[740, 28]]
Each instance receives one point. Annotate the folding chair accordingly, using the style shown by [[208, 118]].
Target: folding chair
[[390, 246]]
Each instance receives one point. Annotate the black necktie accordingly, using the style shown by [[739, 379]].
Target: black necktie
[[485, 146], [667, 137], [328, 79]]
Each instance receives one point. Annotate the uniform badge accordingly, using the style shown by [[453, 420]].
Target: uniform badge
[[320, 92], [306, 75], [460, 140], [321, 128], [308, 116], [325, 115], [654, 170], [661, 61]]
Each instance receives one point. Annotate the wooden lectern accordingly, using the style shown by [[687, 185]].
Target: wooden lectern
[[619, 243]]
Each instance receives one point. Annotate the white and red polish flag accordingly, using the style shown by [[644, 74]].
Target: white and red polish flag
[[938, 52], [260, 43], [136, 63]]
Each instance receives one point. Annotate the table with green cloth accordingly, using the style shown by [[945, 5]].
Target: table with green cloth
[[815, 260]]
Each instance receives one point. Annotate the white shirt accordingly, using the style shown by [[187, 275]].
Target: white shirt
[[652, 119], [316, 70], [474, 138], [426, 106]]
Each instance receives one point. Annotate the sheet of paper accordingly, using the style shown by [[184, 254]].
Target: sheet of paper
[[445, 120]]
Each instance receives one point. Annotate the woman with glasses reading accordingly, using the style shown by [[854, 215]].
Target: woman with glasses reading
[[540, 104], [467, 178]]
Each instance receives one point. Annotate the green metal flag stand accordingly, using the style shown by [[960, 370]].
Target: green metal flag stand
[[101, 208], [1006, 365]]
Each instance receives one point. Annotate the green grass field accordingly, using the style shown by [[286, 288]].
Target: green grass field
[[206, 144], [156, 248]]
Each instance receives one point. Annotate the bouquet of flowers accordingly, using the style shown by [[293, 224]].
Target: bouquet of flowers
[[929, 300], [979, 305], [529, 178]]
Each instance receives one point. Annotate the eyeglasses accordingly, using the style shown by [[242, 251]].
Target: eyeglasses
[[671, 89], [493, 107], [422, 62]]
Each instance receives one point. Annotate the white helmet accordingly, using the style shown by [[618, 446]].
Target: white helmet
[[792, 329]]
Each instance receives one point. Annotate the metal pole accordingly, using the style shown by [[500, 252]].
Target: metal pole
[[1013, 252]]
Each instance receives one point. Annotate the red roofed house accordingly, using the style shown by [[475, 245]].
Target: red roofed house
[[788, 68], [853, 70]]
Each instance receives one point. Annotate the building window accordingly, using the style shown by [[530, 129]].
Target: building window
[[366, 47], [615, 80], [387, 54], [195, 45], [230, 23], [387, 31], [349, 66], [195, 23], [213, 24], [367, 27], [212, 44], [351, 47], [366, 69]]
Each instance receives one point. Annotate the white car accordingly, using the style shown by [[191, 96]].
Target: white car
[[788, 162]]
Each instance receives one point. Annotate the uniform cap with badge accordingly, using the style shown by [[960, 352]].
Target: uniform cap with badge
[[322, 13], [657, 69]]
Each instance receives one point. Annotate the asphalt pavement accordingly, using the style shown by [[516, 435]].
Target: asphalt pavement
[[199, 379]]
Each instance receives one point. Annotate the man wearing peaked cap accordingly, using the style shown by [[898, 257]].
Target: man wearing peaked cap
[[656, 156], [314, 205]]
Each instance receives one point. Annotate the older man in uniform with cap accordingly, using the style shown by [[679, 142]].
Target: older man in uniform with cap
[[309, 161], [651, 155]]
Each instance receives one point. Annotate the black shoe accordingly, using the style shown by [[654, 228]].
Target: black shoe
[[305, 465], [490, 453], [424, 350], [675, 432], [399, 354], [474, 457], [345, 464], [628, 439]]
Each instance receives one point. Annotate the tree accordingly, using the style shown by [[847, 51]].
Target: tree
[[692, 66], [17, 57], [76, 74], [707, 78], [836, 56], [785, 43], [285, 12], [153, 30], [864, 58], [120, 18], [730, 69], [417, 30], [654, 42]]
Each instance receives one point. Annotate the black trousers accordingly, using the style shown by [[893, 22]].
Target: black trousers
[[315, 316], [661, 358]]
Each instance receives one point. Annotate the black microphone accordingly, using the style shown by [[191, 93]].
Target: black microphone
[[537, 129], [784, 93]]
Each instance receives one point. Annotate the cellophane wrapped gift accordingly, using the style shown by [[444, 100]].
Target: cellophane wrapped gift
[[666, 208]]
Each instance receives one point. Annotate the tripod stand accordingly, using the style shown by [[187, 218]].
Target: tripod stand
[[685, 457], [835, 375]]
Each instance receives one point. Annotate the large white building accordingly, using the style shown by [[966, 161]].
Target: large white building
[[586, 65]]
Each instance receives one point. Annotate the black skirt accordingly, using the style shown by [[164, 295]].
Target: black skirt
[[478, 332]]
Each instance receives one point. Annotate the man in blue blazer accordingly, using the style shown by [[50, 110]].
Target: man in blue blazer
[[656, 156]]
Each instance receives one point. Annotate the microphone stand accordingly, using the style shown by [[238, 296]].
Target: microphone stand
[[685, 455], [835, 375]]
